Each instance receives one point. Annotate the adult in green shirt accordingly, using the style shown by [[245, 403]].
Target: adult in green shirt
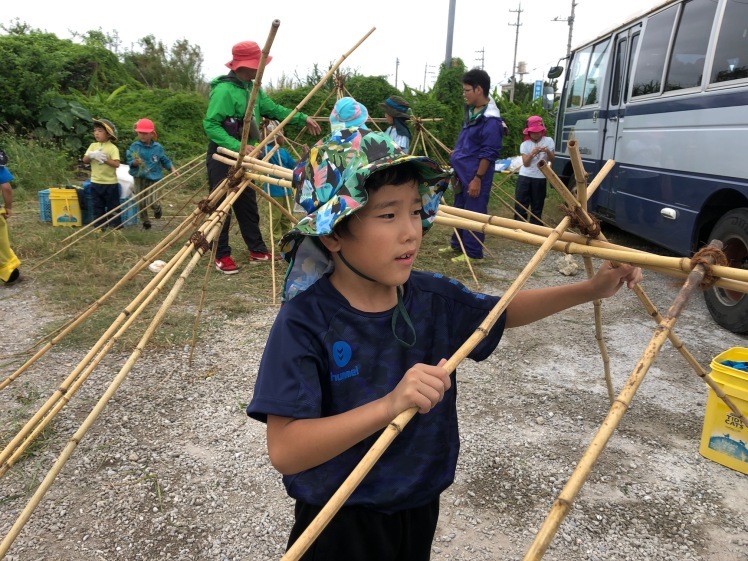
[[223, 124]]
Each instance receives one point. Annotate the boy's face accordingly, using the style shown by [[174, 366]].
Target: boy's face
[[383, 238], [100, 134], [145, 137], [535, 136]]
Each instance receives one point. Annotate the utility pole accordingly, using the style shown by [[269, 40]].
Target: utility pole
[[482, 58], [570, 21], [518, 11], [450, 33], [397, 65]]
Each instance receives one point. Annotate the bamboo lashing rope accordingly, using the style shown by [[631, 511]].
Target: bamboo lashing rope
[[397, 425], [565, 499]]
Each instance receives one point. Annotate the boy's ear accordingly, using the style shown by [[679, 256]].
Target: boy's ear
[[331, 242]]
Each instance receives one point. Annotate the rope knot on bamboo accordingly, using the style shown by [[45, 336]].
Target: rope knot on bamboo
[[708, 256], [200, 242], [589, 226], [205, 207]]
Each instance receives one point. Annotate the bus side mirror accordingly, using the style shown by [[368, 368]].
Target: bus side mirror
[[548, 95], [555, 72]]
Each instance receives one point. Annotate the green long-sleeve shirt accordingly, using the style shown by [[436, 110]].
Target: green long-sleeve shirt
[[228, 98]]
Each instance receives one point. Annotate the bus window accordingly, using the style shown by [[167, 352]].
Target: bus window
[[630, 63], [651, 62], [615, 89], [596, 74], [731, 57], [577, 76], [689, 51]]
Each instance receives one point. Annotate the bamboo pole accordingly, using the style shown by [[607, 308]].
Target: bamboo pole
[[101, 404], [155, 187], [398, 424], [581, 185], [208, 225], [203, 294], [467, 259], [54, 404], [143, 262], [673, 266], [566, 498], [78, 239]]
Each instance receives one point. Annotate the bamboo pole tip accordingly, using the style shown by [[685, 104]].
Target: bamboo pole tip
[[276, 22]]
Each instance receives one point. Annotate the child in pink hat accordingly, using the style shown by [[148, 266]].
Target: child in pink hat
[[531, 188]]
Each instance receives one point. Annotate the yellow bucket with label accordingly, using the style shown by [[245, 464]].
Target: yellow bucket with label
[[724, 438], [66, 210]]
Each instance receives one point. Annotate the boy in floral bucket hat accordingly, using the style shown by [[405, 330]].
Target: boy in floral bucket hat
[[364, 338]]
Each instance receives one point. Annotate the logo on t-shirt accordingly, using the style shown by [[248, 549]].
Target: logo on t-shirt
[[341, 355]]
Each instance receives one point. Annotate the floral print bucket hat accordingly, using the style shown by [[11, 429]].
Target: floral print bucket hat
[[329, 184]]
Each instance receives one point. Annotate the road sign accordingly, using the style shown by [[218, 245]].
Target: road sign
[[538, 89]]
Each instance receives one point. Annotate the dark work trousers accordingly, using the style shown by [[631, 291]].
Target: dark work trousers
[[530, 193], [245, 207], [360, 534], [105, 197], [473, 248]]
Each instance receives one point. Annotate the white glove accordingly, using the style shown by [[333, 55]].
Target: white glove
[[98, 155]]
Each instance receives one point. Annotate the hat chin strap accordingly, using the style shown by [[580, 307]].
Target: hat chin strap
[[399, 311]]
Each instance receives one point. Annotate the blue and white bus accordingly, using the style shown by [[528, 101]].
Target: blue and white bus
[[665, 95]]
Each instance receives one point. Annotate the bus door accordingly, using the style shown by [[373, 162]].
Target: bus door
[[623, 55]]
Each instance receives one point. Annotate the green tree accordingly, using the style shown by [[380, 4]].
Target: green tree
[[156, 66]]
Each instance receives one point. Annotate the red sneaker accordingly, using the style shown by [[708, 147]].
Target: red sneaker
[[262, 256], [226, 265]]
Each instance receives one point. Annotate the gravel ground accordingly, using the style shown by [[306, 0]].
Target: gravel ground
[[174, 470]]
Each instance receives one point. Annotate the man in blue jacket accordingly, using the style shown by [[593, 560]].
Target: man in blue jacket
[[474, 157]]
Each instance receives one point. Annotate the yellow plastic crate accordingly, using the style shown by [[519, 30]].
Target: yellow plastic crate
[[66, 210], [724, 438]]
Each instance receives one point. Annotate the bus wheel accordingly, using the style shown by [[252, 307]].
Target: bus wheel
[[729, 308]]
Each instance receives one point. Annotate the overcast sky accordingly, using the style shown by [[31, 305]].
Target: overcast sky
[[411, 31]]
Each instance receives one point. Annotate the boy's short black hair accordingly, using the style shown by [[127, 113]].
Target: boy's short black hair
[[477, 77]]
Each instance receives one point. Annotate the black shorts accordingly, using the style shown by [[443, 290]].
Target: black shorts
[[357, 533]]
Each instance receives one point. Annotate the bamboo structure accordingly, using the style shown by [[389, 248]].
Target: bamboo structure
[[564, 501]]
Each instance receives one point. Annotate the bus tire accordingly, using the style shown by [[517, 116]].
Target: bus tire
[[728, 307]]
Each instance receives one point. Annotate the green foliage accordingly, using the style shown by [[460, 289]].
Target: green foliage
[[178, 68], [65, 121], [515, 116], [35, 165], [447, 91]]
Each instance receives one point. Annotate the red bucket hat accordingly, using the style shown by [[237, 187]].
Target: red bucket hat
[[247, 55]]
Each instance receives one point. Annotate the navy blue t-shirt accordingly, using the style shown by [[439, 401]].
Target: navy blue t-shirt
[[324, 357]]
